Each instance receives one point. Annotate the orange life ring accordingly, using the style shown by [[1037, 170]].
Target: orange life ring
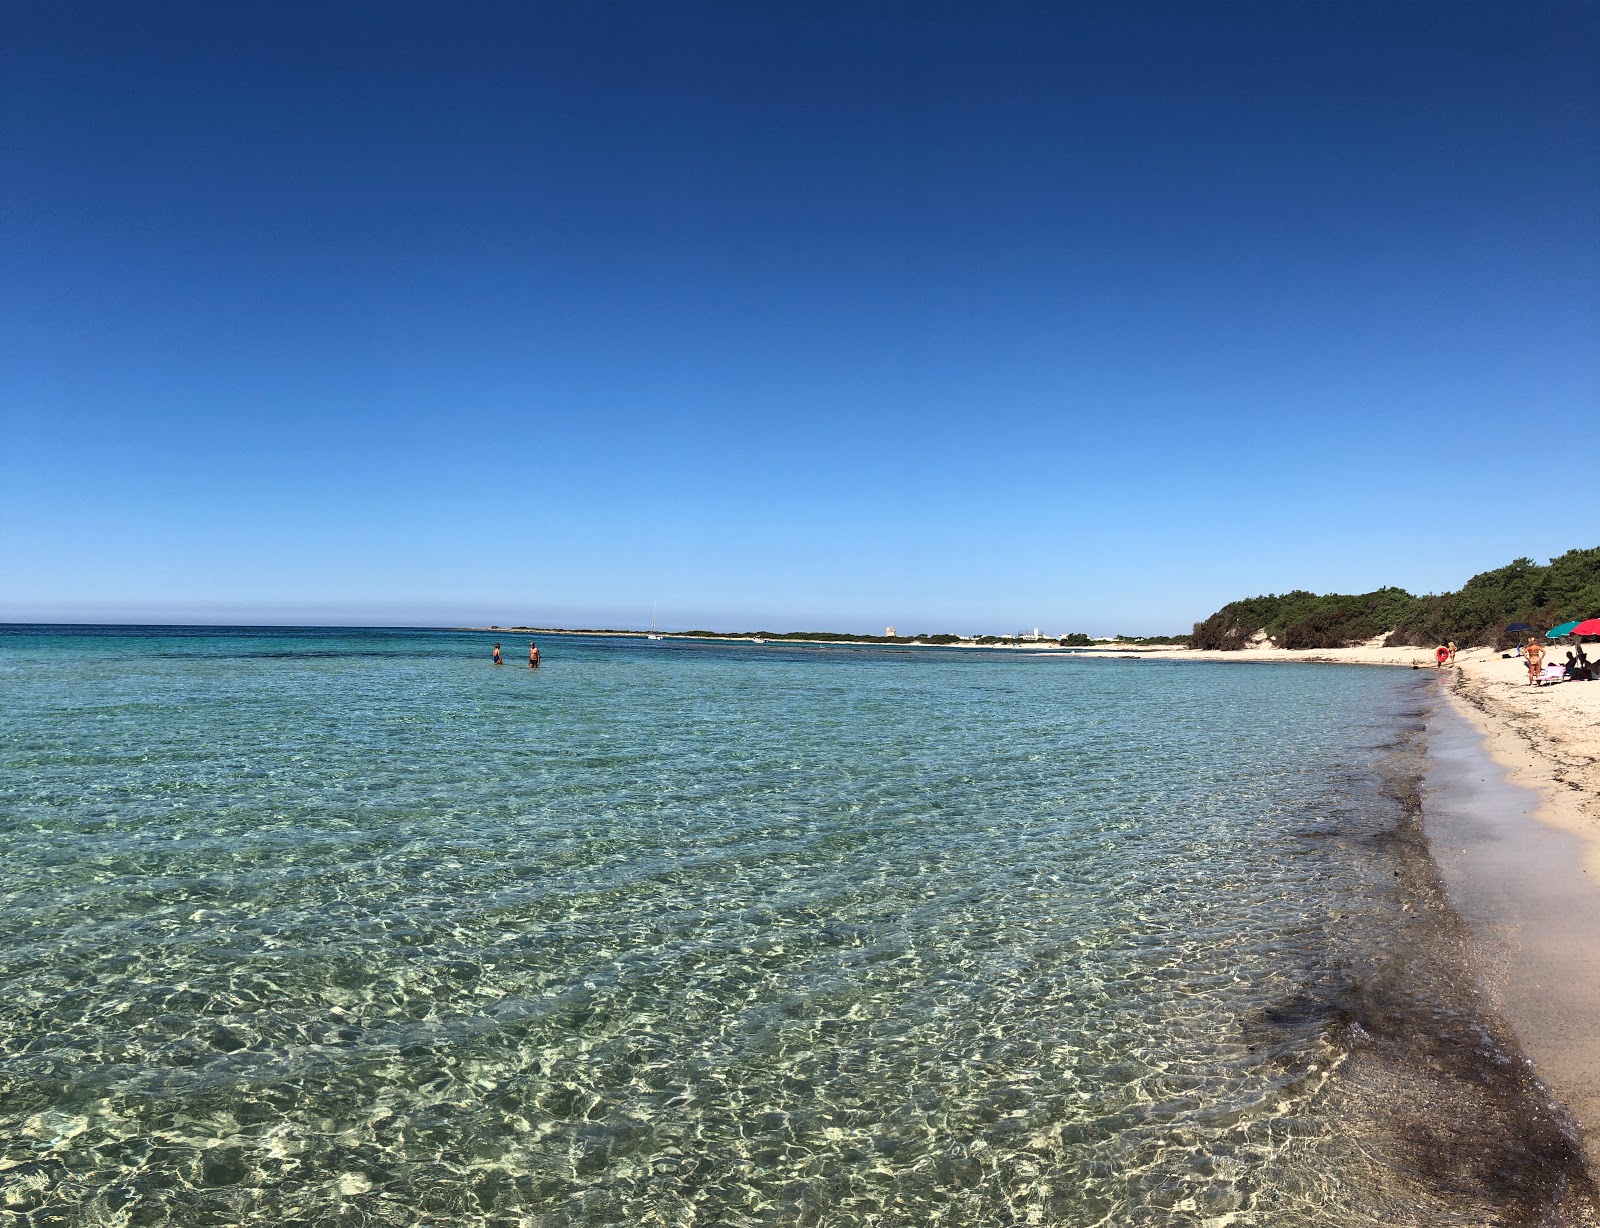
[[1441, 654]]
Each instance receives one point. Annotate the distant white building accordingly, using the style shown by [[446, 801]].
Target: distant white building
[[889, 631]]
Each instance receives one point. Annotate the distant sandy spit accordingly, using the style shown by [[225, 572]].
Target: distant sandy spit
[[1372, 653]]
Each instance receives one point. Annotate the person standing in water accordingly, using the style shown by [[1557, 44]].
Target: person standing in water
[[533, 655], [497, 654]]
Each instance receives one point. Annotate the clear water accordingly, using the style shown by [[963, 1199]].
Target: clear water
[[350, 927]]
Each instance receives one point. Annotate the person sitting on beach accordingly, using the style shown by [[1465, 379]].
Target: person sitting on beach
[[1533, 654], [497, 654], [533, 655]]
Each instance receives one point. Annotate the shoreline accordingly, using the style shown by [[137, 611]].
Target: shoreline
[[1546, 738], [1517, 882], [1520, 852], [1511, 812]]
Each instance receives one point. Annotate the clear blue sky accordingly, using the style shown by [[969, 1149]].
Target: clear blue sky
[[963, 317]]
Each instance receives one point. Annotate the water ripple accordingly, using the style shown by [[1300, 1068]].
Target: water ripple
[[348, 927]]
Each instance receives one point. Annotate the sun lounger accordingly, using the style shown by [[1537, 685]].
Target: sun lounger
[[1552, 674]]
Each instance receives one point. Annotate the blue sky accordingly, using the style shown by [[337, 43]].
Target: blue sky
[[964, 317]]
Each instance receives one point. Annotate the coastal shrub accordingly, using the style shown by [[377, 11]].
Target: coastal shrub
[[1568, 587], [1224, 631], [1300, 619], [1237, 623], [1336, 620]]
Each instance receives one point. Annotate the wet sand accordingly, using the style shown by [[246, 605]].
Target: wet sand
[[1520, 884]]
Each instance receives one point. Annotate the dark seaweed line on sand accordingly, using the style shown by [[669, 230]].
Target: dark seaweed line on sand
[[1488, 1130]]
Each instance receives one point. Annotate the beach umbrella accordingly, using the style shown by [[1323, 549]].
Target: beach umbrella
[[1515, 627], [1555, 633], [1590, 627]]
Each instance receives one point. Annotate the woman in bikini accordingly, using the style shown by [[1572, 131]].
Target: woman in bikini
[[1534, 655]]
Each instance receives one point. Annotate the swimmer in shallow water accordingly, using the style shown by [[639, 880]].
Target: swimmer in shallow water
[[533, 655], [497, 654]]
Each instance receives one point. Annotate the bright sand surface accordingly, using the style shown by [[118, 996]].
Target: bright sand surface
[[1512, 811]]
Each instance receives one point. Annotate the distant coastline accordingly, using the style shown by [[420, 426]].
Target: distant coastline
[[806, 637], [1067, 643]]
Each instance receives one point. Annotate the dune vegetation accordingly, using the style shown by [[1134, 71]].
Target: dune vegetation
[[1542, 595]]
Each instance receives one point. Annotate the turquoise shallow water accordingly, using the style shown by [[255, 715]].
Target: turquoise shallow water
[[350, 927]]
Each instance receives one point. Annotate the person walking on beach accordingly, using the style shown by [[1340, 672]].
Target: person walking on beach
[[497, 654], [1534, 655], [533, 655], [1452, 647]]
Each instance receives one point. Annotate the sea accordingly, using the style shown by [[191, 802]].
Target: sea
[[352, 927]]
